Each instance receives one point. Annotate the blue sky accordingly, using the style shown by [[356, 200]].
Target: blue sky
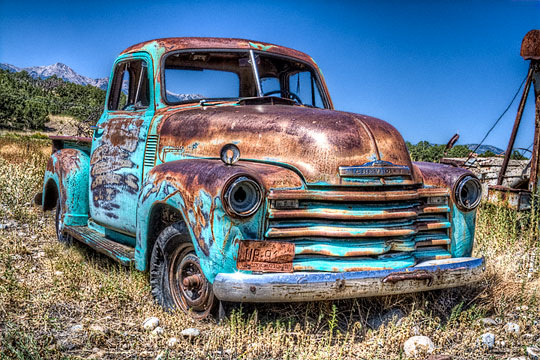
[[431, 68]]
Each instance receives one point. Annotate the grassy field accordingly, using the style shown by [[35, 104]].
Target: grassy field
[[47, 288]]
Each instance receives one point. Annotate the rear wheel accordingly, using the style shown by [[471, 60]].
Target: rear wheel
[[63, 238], [176, 275]]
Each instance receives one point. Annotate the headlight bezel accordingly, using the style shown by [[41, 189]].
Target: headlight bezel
[[472, 187], [235, 184]]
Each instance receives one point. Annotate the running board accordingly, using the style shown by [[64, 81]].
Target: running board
[[121, 253]]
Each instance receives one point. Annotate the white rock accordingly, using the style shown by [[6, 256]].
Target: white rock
[[488, 340], [190, 332], [172, 342], [58, 273], [97, 328], [151, 323], [518, 358], [158, 331], [512, 328], [97, 355], [533, 352], [488, 321], [76, 328], [418, 345], [161, 356]]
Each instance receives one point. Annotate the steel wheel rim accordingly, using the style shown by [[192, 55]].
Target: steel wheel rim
[[189, 288]]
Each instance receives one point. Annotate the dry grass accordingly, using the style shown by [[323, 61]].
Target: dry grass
[[46, 288]]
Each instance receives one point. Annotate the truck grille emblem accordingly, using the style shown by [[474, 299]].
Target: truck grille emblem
[[374, 168]]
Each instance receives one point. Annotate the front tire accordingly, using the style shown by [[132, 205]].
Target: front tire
[[176, 276]]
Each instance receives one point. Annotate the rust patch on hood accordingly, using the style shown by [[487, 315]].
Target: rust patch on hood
[[315, 141]]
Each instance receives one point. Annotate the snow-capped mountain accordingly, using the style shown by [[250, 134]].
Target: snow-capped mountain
[[182, 97], [60, 70], [483, 148]]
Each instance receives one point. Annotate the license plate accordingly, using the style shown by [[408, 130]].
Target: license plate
[[265, 256]]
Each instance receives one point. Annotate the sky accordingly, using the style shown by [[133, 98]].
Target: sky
[[430, 68]]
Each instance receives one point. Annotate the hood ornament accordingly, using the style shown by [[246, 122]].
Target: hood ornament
[[229, 154], [374, 168]]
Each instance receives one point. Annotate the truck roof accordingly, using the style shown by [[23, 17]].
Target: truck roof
[[182, 43]]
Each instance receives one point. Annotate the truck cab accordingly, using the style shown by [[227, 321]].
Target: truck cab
[[221, 167]]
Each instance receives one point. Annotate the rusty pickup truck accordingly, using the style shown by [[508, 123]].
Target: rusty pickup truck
[[221, 168]]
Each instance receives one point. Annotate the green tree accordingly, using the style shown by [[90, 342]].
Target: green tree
[[424, 151], [26, 103]]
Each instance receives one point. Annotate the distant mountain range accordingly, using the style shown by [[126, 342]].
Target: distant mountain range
[[62, 71], [66, 73], [483, 148]]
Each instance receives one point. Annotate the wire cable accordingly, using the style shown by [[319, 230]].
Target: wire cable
[[496, 122]]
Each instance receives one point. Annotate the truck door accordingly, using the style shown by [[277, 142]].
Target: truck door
[[119, 142]]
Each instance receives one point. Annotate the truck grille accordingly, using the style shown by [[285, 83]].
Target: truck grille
[[361, 230]]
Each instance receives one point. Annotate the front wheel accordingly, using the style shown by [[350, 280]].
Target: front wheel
[[176, 276]]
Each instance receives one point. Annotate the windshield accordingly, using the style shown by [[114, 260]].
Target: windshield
[[191, 76]]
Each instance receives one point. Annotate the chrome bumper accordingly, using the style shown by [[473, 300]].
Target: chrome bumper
[[314, 286]]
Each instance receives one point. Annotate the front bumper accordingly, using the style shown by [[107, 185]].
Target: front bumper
[[314, 286]]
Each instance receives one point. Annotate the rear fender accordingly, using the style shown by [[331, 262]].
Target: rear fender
[[194, 188], [66, 178]]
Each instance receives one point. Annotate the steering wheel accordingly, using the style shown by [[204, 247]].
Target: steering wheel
[[288, 94]]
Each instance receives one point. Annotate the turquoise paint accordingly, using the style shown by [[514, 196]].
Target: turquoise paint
[[120, 166], [260, 46], [431, 254], [462, 232], [341, 248], [335, 264], [72, 185], [215, 235], [112, 235]]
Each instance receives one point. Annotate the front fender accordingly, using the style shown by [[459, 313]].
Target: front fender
[[194, 187], [463, 223], [68, 171]]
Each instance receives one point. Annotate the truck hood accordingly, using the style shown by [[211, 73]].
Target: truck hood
[[317, 142]]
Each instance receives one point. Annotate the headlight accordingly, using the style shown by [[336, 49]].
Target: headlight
[[468, 193], [243, 196]]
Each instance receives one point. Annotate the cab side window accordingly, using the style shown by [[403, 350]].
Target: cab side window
[[130, 88]]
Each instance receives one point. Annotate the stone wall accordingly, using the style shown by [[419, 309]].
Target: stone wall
[[487, 169]]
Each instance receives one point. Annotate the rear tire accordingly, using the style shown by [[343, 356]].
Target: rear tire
[[176, 275], [59, 226]]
